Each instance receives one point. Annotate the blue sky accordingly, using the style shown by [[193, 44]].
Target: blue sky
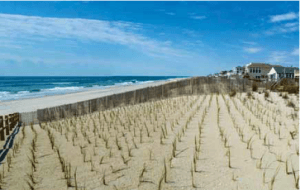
[[144, 38]]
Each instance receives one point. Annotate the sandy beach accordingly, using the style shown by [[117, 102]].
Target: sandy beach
[[28, 105], [117, 95], [190, 142]]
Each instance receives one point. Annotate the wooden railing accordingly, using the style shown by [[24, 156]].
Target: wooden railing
[[7, 124]]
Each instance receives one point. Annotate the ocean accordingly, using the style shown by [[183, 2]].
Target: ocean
[[15, 88]]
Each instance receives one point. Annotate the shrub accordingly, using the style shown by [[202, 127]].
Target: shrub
[[291, 89], [285, 96], [232, 93], [267, 94], [291, 104], [254, 87], [249, 95]]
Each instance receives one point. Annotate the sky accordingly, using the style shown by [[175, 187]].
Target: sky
[[145, 38]]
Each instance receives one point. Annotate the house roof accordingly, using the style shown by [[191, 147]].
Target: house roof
[[285, 69], [276, 65], [260, 65]]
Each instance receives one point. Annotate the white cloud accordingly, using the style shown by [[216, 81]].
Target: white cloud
[[8, 44], [284, 28], [198, 17], [283, 17], [113, 32], [191, 33], [170, 13], [291, 24], [296, 52], [278, 57], [249, 43], [252, 50], [283, 58]]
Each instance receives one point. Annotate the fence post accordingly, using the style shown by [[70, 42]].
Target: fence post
[[2, 136], [18, 117], [10, 121], [6, 125]]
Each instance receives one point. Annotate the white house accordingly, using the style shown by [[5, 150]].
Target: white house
[[259, 70], [223, 74], [277, 73], [238, 70], [229, 73]]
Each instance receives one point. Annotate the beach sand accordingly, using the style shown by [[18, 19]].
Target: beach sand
[[189, 142], [29, 105]]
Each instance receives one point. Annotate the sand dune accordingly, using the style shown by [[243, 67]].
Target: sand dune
[[201, 141]]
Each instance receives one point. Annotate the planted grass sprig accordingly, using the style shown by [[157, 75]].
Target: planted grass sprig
[[75, 179], [250, 141], [271, 185], [296, 177], [141, 135], [151, 155], [51, 138], [106, 140], [85, 159], [165, 171], [23, 134], [174, 145], [194, 163], [32, 181], [160, 183], [9, 161], [118, 144], [93, 167], [260, 161], [16, 148], [192, 175], [125, 161], [229, 158]]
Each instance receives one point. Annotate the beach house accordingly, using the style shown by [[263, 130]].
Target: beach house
[[258, 70], [230, 74], [238, 70], [223, 74], [296, 74], [277, 73]]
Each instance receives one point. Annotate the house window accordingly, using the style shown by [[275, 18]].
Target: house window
[[259, 71]]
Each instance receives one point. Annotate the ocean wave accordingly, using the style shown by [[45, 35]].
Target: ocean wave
[[132, 82], [59, 89], [13, 96], [37, 92], [144, 82], [123, 84], [63, 82], [6, 96]]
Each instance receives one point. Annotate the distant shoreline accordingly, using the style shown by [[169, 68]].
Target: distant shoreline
[[19, 88], [32, 104]]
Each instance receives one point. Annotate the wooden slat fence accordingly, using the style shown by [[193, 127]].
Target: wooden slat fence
[[7, 124]]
